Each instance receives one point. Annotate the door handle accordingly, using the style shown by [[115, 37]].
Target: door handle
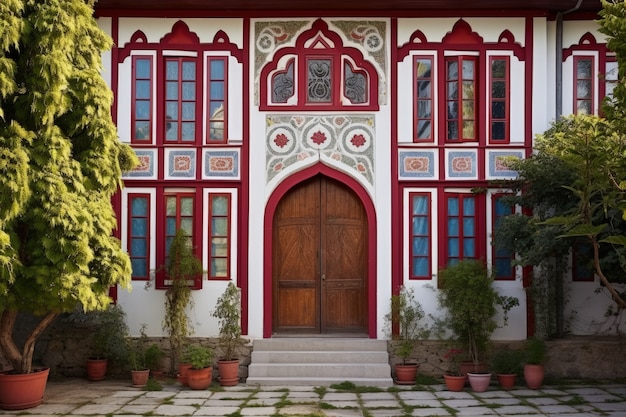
[[323, 277]]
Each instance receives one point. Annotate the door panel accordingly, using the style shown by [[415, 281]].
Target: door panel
[[320, 260]]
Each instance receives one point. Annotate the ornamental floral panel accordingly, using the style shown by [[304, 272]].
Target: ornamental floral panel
[[147, 163], [499, 164], [347, 141], [181, 163], [461, 164], [416, 164], [220, 164]]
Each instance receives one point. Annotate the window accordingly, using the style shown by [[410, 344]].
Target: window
[[461, 227], [610, 76], [499, 99], [219, 236], [180, 100], [216, 113], [142, 100], [461, 98], [583, 85], [139, 235], [319, 80], [582, 261], [501, 258], [423, 96], [179, 214], [420, 236]]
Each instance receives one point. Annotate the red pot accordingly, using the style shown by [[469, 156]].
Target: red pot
[[229, 372], [96, 369], [405, 374], [21, 391], [199, 378], [455, 383], [140, 378], [506, 381]]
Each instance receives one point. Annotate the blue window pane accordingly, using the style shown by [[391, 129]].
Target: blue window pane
[[189, 71], [468, 227], [469, 248], [139, 207], [189, 91], [139, 267], [219, 267], [217, 69], [187, 225], [219, 226], [420, 205], [420, 267], [219, 246], [139, 247], [502, 209], [219, 206], [189, 111], [503, 268], [139, 227], [420, 226], [142, 109], [189, 132], [453, 248], [171, 109], [171, 90], [217, 90], [142, 68], [453, 207], [172, 131], [171, 70], [420, 246], [142, 89], [142, 130], [469, 206], [170, 226], [453, 227]]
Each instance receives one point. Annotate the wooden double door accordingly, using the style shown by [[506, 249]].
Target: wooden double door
[[319, 261]]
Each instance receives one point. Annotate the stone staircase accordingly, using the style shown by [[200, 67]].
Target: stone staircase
[[319, 362]]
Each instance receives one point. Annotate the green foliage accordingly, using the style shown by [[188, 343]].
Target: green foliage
[[407, 312], [182, 268], [535, 350], [153, 357], [143, 354], [228, 313], [110, 335], [198, 356], [60, 164], [470, 301], [507, 361]]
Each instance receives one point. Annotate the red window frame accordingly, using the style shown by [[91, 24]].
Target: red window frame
[[414, 233], [460, 100], [180, 101], [423, 97], [478, 234], [610, 59], [135, 100], [146, 238], [495, 254], [504, 101], [213, 80], [214, 234], [169, 234], [578, 80]]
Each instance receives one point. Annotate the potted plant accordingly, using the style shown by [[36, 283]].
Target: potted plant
[[535, 350], [407, 314], [137, 349], [154, 356], [228, 313], [470, 302], [454, 379], [62, 163], [507, 364], [109, 340], [182, 268], [200, 373]]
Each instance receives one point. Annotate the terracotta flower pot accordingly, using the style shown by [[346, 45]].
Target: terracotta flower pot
[[455, 383], [506, 381], [533, 375], [21, 391], [229, 372], [140, 378], [182, 373], [199, 378], [405, 374], [96, 369], [479, 381]]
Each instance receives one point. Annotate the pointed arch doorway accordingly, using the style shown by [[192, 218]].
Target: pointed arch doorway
[[320, 260]]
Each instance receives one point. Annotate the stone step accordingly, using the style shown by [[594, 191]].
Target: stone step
[[323, 361]]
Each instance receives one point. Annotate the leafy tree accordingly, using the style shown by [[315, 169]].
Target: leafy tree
[[575, 185], [60, 164]]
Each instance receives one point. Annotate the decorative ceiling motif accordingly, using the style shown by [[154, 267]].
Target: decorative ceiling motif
[[345, 142]]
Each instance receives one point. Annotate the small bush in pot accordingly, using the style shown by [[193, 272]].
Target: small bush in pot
[[407, 313], [228, 313], [535, 352], [200, 375], [507, 364]]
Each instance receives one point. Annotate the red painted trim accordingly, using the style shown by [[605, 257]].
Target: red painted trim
[[229, 237], [114, 70], [337, 54], [243, 200], [224, 101], [133, 101], [270, 209], [506, 100], [591, 80], [416, 98], [397, 264], [146, 237]]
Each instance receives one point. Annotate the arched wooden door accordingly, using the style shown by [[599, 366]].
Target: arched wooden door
[[319, 279]]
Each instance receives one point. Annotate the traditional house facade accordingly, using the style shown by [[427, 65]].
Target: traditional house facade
[[320, 155]]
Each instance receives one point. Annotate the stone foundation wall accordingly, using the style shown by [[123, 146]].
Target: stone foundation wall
[[64, 347]]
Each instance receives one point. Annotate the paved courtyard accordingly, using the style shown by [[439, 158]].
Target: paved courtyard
[[78, 397]]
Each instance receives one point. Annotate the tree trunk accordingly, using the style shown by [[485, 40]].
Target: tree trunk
[[22, 362]]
